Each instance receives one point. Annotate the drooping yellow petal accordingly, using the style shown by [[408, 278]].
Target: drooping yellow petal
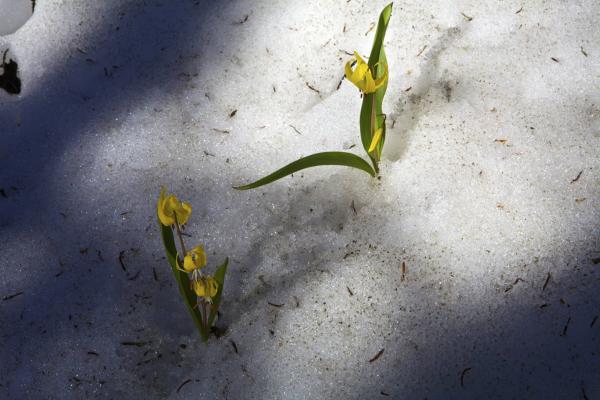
[[183, 213], [194, 259], [381, 81], [212, 286], [171, 210], [171, 205], [357, 76], [369, 83], [359, 59], [188, 263], [199, 287], [165, 216], [362, 76], [349, 71], [376, 139], [159, 203], [205, 287]]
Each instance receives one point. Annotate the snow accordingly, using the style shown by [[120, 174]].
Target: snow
[[14, 14], [488, 194]]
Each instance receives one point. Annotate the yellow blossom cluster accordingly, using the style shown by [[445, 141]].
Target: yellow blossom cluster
[[173, 212]]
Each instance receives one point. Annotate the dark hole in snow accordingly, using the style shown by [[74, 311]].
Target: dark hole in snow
[[9, 79]]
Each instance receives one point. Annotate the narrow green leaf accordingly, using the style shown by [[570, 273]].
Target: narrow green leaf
[[183, 281], [314, 160], [382, 24], [366, 111], [365, 123], [220, 278], [169, 243]]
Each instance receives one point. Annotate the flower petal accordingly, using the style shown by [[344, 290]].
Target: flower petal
[[376, 139], [362, 75], [199, 287], [369, 83], [358, 75], [211, 286], [381, 81], [349, 72], [359, 59], [206, 287], [188, 263], [165, 215], [194, 259], [183, 213]]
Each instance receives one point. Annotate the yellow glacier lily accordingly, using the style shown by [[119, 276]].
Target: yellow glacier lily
[[194, 259], [362, 76], [170, 209], [205, 286]]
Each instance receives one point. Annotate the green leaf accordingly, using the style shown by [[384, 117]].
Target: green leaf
[[377, 49], [169, 243], [366, 111], [314, 160], [216, 301], [183, 281]]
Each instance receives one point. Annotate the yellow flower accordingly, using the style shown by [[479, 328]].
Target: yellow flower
[[194, 259], [376, 139], [169, 209], [205, 286], [362, 76]]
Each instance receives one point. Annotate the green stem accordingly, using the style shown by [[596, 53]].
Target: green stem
[[180, 236], [204, 320], [205, 315], [375, 159]]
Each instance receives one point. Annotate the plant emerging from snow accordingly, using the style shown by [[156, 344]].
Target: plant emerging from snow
[[371, 78], [200, 292]]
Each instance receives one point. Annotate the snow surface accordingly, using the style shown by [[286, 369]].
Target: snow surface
[[478, 197], [13, 14]]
